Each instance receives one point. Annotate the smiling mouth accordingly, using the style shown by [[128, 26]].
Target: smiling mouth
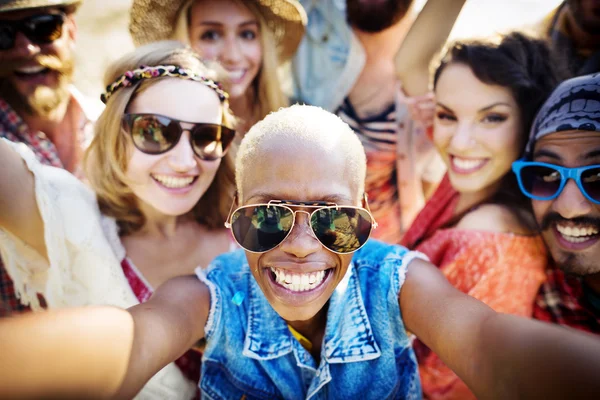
[[174, 182], [299, 282], [32, 71], [467, 165], [577, 235]]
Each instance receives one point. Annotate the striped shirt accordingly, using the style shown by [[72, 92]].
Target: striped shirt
[[379, 135]]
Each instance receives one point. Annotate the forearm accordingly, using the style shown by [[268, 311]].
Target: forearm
[[425, 38], [71, 353], [532, 359], [166, 326]]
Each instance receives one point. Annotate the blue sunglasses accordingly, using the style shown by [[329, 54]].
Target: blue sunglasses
[[543, 181]]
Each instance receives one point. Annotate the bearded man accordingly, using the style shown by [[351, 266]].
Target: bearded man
[[38, 105]]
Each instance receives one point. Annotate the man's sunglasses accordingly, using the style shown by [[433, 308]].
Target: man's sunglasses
[[39, 29], [259, 228], [543, 181], [157, 134]]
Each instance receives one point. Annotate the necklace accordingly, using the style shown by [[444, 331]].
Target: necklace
[[307, 344]]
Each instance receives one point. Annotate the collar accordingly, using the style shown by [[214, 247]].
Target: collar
[[348, 334]]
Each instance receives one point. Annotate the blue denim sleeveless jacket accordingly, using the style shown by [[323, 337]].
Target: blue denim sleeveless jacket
[[366, 353]]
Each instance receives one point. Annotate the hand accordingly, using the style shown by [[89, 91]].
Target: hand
[[421, 108]]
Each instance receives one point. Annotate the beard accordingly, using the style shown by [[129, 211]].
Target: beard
[[573, 263], [44, 99], [375, 16]]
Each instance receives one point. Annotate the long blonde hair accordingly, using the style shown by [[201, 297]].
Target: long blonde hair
[[268, 95], [106, 158]]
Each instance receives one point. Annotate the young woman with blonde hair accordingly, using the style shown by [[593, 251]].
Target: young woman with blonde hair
[[251, 39], [162, 179]]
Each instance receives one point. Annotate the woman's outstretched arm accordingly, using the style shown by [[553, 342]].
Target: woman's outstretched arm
[[498, 355], [166, 326], [425, 38], [70, 353], [19, 212]]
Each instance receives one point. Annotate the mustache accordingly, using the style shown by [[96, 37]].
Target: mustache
[[8, 67], [553, 218]]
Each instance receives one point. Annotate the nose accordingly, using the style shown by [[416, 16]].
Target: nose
[[463, 136], [182, 157], [24, 48], [232, 51], [571, 203], [301, 242]]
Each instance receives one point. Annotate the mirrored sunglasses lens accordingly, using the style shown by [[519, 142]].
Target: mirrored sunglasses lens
[[211, 142], [44, 28], [154, 135], [590, 180], [541, 181], [342, 230], [261, 228]]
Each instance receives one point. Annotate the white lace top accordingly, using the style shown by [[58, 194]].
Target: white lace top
[[84, 253]]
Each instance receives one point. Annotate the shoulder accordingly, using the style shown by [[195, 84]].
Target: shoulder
[[493, 218]]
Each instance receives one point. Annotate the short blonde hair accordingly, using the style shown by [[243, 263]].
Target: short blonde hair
[[302, 125], [106, 158], [267, 87]]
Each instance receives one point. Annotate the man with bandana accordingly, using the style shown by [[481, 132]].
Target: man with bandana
[[38, 105], [574, 30], [561, 175]]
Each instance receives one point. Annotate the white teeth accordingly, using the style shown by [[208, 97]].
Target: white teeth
[[467, 164], [174, 182], [576, 234], [298, 282], [31, 70], [236, 74]]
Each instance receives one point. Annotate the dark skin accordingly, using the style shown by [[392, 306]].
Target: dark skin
[[484, 348]]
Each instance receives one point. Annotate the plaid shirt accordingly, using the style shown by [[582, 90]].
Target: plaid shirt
[[563, 300], [13, 128]]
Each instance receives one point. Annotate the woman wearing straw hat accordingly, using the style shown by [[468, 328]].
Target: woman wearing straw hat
[[249, 38]]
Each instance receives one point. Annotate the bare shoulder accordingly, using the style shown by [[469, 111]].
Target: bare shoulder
[[493, 218]]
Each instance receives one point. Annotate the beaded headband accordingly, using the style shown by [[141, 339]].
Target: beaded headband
[[130, 78]]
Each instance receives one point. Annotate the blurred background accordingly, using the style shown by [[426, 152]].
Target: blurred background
[[103, 34]]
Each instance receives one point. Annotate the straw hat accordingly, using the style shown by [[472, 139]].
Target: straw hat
[[155, 20], [16, 5]]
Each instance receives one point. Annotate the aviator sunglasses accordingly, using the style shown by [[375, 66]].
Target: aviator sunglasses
[[39, 29], [259, 228], [543, 181], [157, 134]]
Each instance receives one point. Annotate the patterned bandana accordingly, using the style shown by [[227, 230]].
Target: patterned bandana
[[574, 105], [130, 78]]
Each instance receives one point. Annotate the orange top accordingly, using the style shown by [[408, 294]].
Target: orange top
[[503, 270]]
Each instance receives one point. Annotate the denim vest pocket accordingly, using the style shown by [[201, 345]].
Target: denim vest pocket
[[218, 383]]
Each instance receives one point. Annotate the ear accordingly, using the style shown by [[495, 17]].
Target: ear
[[72, 27]]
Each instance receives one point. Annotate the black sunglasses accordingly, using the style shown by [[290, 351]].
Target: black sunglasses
[[157, 134], [39, 29], [259, 228]]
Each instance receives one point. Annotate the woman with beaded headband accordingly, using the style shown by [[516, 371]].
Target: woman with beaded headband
[[250, 39], [161, 170]]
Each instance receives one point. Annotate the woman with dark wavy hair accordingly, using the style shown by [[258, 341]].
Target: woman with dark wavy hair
[[477, 228]]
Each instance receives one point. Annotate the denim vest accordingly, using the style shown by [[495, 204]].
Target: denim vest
[[330, 57], [366, 353]]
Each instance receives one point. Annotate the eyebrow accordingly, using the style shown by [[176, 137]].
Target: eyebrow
[[547, 153], [500, 103], [333, 198], [217, 23], [592, 154]]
